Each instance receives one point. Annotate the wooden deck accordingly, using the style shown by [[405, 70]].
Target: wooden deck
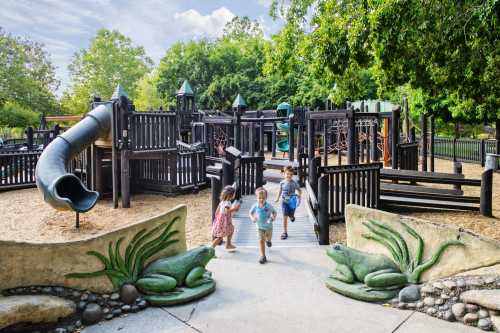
[[300, 232]]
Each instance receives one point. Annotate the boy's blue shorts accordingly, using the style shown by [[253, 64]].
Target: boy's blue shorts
[[287, 211]]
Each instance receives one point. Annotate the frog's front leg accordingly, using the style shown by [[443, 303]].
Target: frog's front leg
[[343, 273], [197, 276], [385, 279], [156, 284]]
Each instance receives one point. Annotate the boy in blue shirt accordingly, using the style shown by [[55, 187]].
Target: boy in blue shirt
[[264, 214]]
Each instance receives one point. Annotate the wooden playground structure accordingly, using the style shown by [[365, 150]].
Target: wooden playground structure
[[341, 156]]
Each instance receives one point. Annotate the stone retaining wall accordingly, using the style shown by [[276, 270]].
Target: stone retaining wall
[[46, 264], [478, 252]]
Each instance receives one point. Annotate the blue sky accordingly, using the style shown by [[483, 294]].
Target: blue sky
[[65, 26]]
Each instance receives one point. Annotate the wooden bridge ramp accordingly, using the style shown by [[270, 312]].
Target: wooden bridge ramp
[[300, 233]]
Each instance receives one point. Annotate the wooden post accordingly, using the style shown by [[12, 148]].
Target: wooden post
[[237, 130], [482, 152], [259, 174], [323, 220], [98, 182], [486, 193], [423, 128], [374, 140], [274, 140], [406, 112], [125, 153], [454, 149], [125, 178], [432, 141], [114, 153], [216, 190], [291, 137], [351, 136], [314, 163], [261, 136], [77, 220], [457, 169], [30, 138], [310, 139], [395, 137], [250, 139], [227, 173], [386, 142]]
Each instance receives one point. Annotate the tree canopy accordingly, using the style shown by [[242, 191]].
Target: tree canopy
[[27, 76], [447, 49], [111, 59]]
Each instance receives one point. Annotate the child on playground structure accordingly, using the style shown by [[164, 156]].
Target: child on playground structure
[[223, 221], [289, 199], [264, 214]]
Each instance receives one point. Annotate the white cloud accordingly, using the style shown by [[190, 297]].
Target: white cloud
[[191, 22]]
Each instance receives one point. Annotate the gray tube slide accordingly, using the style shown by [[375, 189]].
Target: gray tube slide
[[61, 189]]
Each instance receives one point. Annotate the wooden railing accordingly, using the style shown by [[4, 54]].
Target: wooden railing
[[250, 174], [17, 169], [152, 130], [339, 186]]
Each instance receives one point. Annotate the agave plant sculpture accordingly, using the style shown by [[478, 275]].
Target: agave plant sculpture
[[127, 269], [396, 244]]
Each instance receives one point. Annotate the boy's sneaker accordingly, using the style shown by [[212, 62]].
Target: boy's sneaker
[[269, 243], [262, 260], [292, 218]]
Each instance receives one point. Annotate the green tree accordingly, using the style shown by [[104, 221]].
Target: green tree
[[27, 77], [111, 59], [14, 115], [241, 28], [448, 49], [147, 96]]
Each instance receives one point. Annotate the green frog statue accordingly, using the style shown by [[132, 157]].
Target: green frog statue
[[375, 277], [179, 278]]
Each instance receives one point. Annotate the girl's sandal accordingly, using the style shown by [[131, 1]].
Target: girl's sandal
[[284, 236]]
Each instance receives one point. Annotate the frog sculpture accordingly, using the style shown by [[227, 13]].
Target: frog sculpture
[[375, 277]]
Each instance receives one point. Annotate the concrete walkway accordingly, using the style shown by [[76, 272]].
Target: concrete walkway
[[285, 295], [300, 233]]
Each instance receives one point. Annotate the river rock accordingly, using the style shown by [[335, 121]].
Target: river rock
[[128, 293], [427, 290], [484, 324], [33, 309], [487, 298], [419, 305], [471, 308], [409, 294], [448, 316], [458, 310], [92, 314], [483, 313], [461, 283], [429, 301], [439, 301], [438, 285], [470, 318], [431, 311], [450, 284]]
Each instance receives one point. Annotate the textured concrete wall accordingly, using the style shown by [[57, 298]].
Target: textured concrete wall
[[478, 252], [27, 264]]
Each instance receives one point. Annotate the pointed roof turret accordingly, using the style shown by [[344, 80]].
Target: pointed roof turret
[[119, 91], [185, 89], [239, 102]]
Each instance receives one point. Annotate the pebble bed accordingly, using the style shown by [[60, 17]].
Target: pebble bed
[[441, 299], [91, 308]]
